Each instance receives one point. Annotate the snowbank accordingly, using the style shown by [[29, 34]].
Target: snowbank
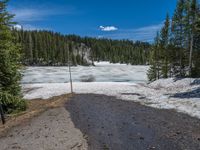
[[182, 95], [174, 83]]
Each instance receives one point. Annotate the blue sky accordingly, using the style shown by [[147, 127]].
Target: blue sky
[[116, 19]]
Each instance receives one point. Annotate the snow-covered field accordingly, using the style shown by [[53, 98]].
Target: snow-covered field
[[182, 95]]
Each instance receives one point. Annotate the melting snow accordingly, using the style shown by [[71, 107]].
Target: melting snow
[[182, 95]]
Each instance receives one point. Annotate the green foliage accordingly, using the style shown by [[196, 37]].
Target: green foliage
[[152, 74], [176, 51], [48, 48], [12, 104], [154, 71], [9, 63], [164, 42]]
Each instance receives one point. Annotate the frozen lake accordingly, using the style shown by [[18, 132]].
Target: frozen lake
[[102, 72]]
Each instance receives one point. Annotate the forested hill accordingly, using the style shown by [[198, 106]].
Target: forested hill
[[53, 49]]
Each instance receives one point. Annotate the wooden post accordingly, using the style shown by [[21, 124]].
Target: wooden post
[[190, 58], [2, 114], [70, 74]]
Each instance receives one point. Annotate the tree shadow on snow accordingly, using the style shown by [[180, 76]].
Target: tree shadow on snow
[[177, 79], [190, 94], [196, 82]]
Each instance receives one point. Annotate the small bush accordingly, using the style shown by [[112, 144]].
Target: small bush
[[12, 104], [89, 78]]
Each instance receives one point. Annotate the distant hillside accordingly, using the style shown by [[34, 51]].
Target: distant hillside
[[54, 49]]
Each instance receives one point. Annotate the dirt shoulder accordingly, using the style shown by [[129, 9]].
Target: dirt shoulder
[[46, 125], [35, 108], [115, 124]]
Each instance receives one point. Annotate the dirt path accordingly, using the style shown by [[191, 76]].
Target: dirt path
[[114, 124], [52, 130]]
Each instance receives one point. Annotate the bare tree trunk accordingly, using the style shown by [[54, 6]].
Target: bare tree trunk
[[2, 114], [70, 74], [190, 57]]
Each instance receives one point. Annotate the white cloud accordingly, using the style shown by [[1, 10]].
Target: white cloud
[[108, 28], [17, 27], [29, 27]]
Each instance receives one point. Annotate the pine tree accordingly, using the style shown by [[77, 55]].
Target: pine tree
[[164, 42], [192, 15], [10, 76], [196, 47], [154, 70], [30, 48], [178, 38]]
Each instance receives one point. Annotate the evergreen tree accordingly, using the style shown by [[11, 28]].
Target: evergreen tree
[[30, 48], [164, 42], [10, 94], [178, 38], [154, 70], [196, 47], [192, 15]]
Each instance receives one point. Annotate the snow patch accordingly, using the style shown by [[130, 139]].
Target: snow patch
[[160, 94]]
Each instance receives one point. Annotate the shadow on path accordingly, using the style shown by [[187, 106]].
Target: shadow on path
[[110, 123]]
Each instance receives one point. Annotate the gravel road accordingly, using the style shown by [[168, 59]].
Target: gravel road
[[114, 124]]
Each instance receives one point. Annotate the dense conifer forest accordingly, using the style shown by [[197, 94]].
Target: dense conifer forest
[[54, 49]]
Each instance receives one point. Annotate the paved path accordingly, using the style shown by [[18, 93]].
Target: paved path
[[114, 124]]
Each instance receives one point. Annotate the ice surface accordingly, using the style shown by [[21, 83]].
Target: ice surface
[[102, 72]]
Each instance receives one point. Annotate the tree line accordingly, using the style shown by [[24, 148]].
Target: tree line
[[55, 49], [176, 50]]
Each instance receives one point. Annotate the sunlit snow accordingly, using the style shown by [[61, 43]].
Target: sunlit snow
[[123, 81]]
